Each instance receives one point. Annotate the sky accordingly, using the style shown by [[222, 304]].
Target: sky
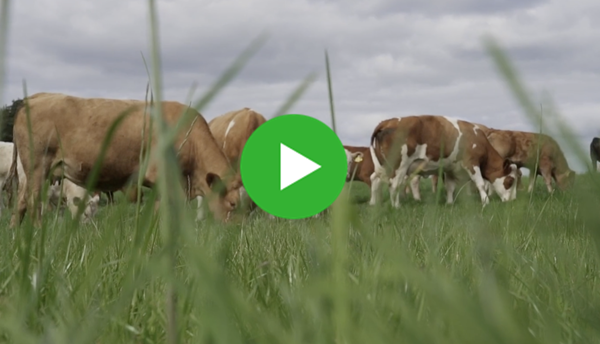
[[388, 58]]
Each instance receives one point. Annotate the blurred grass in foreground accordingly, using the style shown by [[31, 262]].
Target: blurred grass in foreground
[[518, 272]]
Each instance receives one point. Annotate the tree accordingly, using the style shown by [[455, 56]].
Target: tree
[[7, 120]]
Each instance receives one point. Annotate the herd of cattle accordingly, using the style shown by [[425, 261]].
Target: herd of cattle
[[67, 133]]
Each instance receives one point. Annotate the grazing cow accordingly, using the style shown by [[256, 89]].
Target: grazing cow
[[74, 194], [360, 158], [231, 131], [471, 186], [595, 152], [414, 185], [420, 140], [71, 192], [520, 148], [67, 132]]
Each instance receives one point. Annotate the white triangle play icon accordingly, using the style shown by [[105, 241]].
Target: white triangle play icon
[[294, 166]]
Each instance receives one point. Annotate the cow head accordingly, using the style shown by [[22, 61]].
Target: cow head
[[91, 207], [506, 185], [353, 159], [225, 196], [565, 180]]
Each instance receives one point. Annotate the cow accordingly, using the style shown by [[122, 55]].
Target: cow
[[595, 153], [359, 157], [520, 148], [231, 131], [56, 191], [401, 145], [68, 131], [64, 189], [471, 187]]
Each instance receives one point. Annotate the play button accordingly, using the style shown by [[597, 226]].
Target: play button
[[293, 166]]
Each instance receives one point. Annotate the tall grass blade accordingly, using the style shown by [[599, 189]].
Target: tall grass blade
[[331, 107]]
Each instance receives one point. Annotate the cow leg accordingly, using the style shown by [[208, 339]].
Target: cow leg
[[110, 195], [200, 211], [532, 179], [53, 193], [434, 182], [547, 175], [488, 188], [395, 184], [450, 184], [18, 216], [375, 188], [477, 178], [414, 186], [245, 200], [34, 197], [1, 198], [406, 189]]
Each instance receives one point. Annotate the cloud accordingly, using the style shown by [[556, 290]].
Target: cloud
[[388, 58]]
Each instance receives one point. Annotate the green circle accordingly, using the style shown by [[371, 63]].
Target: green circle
[[261, 166]]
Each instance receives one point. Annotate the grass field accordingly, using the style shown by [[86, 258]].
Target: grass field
[[519, 272]]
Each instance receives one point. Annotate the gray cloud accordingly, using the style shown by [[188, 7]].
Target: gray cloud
[[388, 58]]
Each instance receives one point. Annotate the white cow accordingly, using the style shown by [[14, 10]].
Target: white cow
[[65, 188]]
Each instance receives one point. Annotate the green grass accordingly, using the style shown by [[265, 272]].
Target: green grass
[[511, 273]]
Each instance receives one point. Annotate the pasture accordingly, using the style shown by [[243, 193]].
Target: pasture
[[524, 271], [518, 272]]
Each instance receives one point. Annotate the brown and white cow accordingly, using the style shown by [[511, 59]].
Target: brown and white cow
[[520, 148], [595, 153], [68, 132], [471, 187], [419, 141], [231, 131], [360, 158]]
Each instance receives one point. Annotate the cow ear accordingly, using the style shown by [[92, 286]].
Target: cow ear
[[506, 165], [216, 184]]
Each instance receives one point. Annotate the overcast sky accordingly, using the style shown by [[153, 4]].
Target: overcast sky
[[389, 58]]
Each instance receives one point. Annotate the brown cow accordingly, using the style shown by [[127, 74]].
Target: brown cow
[[68, 131], [520, 148], [595, 152], [231, 131], [419, 141]]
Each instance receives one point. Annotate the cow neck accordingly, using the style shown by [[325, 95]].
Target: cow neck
[[212, 159], [494, 165]]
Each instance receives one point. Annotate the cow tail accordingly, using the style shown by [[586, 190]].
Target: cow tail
[[12, 176], [594, 152], [376, 148]]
